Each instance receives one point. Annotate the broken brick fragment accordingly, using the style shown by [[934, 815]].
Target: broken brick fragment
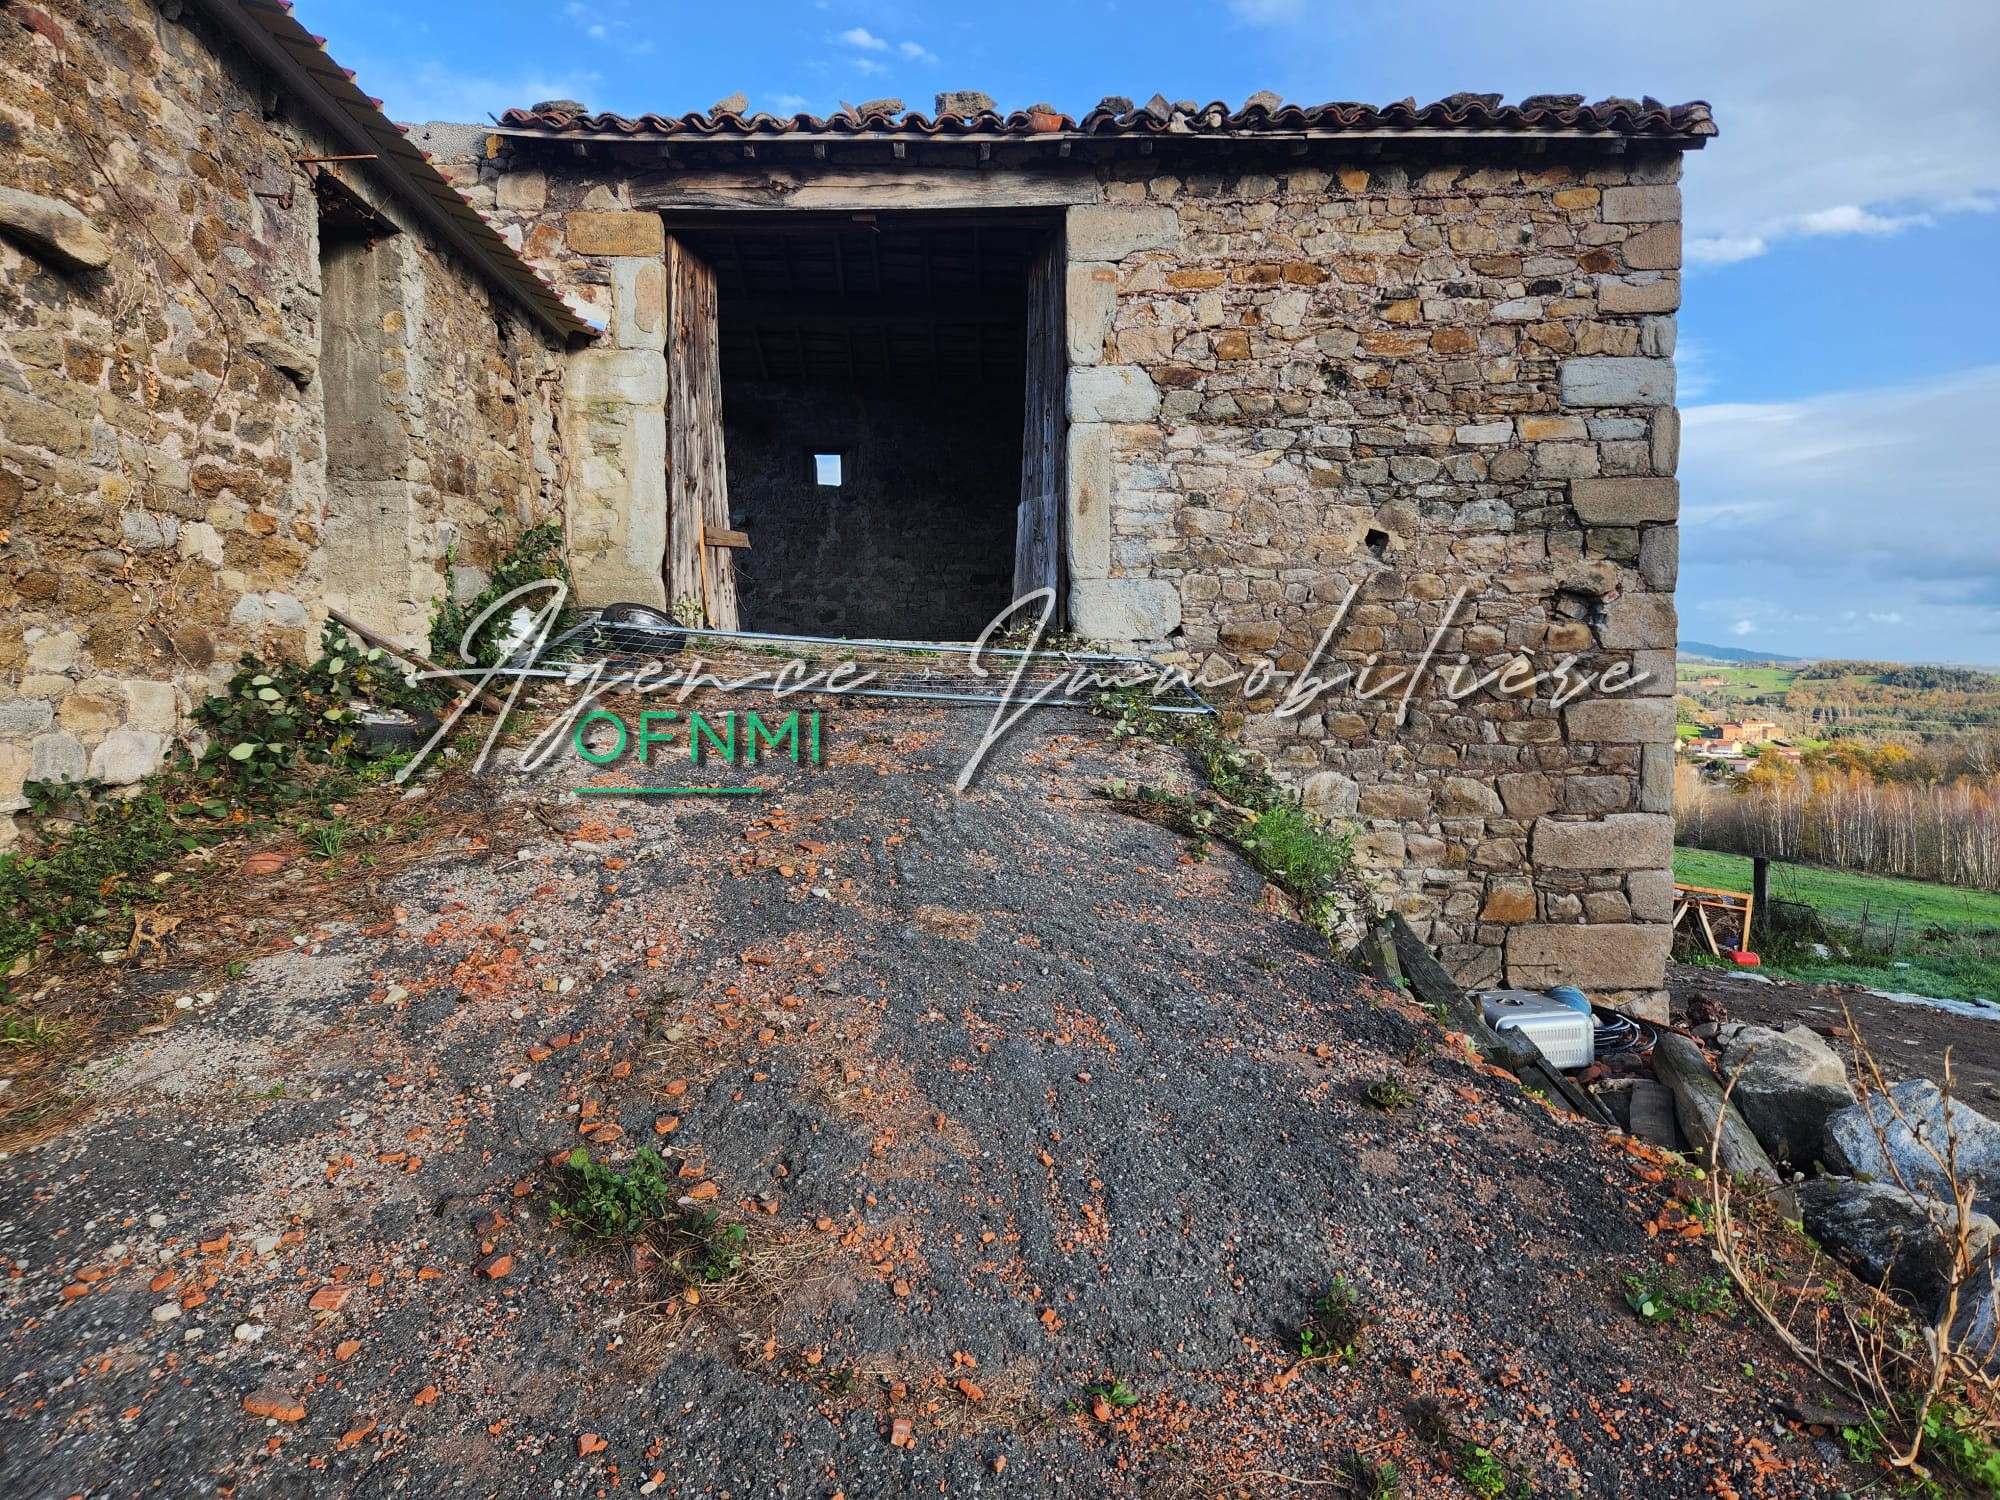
[[278, 1406], [496, 1265]]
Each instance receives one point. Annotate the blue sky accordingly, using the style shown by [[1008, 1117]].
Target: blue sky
[[1838, 364]]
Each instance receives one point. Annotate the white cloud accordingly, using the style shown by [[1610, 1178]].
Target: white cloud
[[1807, 146], [916, 52], [859, 36], [1860, 511]]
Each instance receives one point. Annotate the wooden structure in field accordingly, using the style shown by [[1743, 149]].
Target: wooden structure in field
[[1715, 919]]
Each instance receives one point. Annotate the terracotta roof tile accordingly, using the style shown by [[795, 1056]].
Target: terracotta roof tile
[[1686, 124]]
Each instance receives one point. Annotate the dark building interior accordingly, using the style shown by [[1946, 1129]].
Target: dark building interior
[[872, 396]]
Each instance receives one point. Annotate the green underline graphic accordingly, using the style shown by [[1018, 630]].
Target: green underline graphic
[[669, 791]]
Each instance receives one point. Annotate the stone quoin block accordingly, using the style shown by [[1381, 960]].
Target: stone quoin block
[[1087, 537], [1090, 296], [1622, 841], [616, 233], [1112, 231], [1124, 609], [1623, 297], [1622, 956], [1621, 721], [1112, 393], [1625, 502], [1642, 203], [1609, 380], [1655, 249], [1639, 622]]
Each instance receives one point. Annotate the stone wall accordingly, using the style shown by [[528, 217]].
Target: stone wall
[[918, 540], [1411, 381], [1411, 378], [165, 486]]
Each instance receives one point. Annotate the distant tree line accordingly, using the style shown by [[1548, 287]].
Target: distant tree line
[[1834, 809]]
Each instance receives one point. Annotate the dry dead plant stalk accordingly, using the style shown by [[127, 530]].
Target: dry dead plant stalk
[[1896, 1380]]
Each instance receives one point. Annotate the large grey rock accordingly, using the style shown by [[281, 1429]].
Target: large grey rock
[[1852, 1146], [1978, 1326], [1787, 1085], [1887, 1236]]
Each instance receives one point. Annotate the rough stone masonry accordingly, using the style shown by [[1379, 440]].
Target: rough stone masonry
[[1422, 357], [1435, 370], [239, 383]]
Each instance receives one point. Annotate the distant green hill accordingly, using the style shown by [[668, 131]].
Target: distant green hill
[[1702, 651]]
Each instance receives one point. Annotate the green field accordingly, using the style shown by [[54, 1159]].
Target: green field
[[1926, 939], [1739, 685]]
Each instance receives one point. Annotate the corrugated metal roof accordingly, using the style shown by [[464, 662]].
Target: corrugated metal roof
[[274, 36], [1546, 115]]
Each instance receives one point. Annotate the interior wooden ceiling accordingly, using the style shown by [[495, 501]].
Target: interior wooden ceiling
[[870, 297]]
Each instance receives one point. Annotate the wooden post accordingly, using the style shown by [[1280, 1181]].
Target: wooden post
[[1760, 895]]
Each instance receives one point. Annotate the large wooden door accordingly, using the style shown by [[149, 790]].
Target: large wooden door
[[1038, 522], [697, 481]]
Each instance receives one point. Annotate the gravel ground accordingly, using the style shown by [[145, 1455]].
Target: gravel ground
[[1013, 1095]]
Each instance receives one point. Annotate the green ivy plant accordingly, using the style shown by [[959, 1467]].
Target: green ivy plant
[[275, 717], [538, 555]]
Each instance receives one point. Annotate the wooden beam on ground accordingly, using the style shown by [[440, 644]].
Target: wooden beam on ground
[[1705, 1115]]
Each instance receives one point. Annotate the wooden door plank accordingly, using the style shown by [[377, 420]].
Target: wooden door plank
[[699, 477], [1038, 521]]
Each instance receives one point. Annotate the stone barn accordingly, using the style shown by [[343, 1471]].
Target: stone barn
[[1320, 385], [1275, 390]]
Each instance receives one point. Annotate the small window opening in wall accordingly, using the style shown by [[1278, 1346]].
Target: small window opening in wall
[[827, 470], [1378, 543]]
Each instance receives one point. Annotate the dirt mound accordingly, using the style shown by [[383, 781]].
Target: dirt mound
[[1045, 1137]]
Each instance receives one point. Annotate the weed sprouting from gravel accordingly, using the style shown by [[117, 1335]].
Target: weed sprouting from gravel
[[1679, 1300], [1366, 1480], [1482, 1472], [1387, 1093], [601, 1202], [1337, 1327]]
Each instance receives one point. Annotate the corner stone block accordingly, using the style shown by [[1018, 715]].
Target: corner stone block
[[1622, 841], [638, 302], [1090, 297], [1124, 609], [1112, 393], [1112, 231], [1617, 380], [1606, 956], [1087, 537], [1621, 721], [1639, 622], [628, 377], [1656, 776], [1666, 440], [1622, 297], [1648, 203], [617, 234], [1625, 502], [1655, 249]]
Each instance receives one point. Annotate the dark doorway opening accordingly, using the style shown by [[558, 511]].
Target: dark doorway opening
[[873, 369]]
